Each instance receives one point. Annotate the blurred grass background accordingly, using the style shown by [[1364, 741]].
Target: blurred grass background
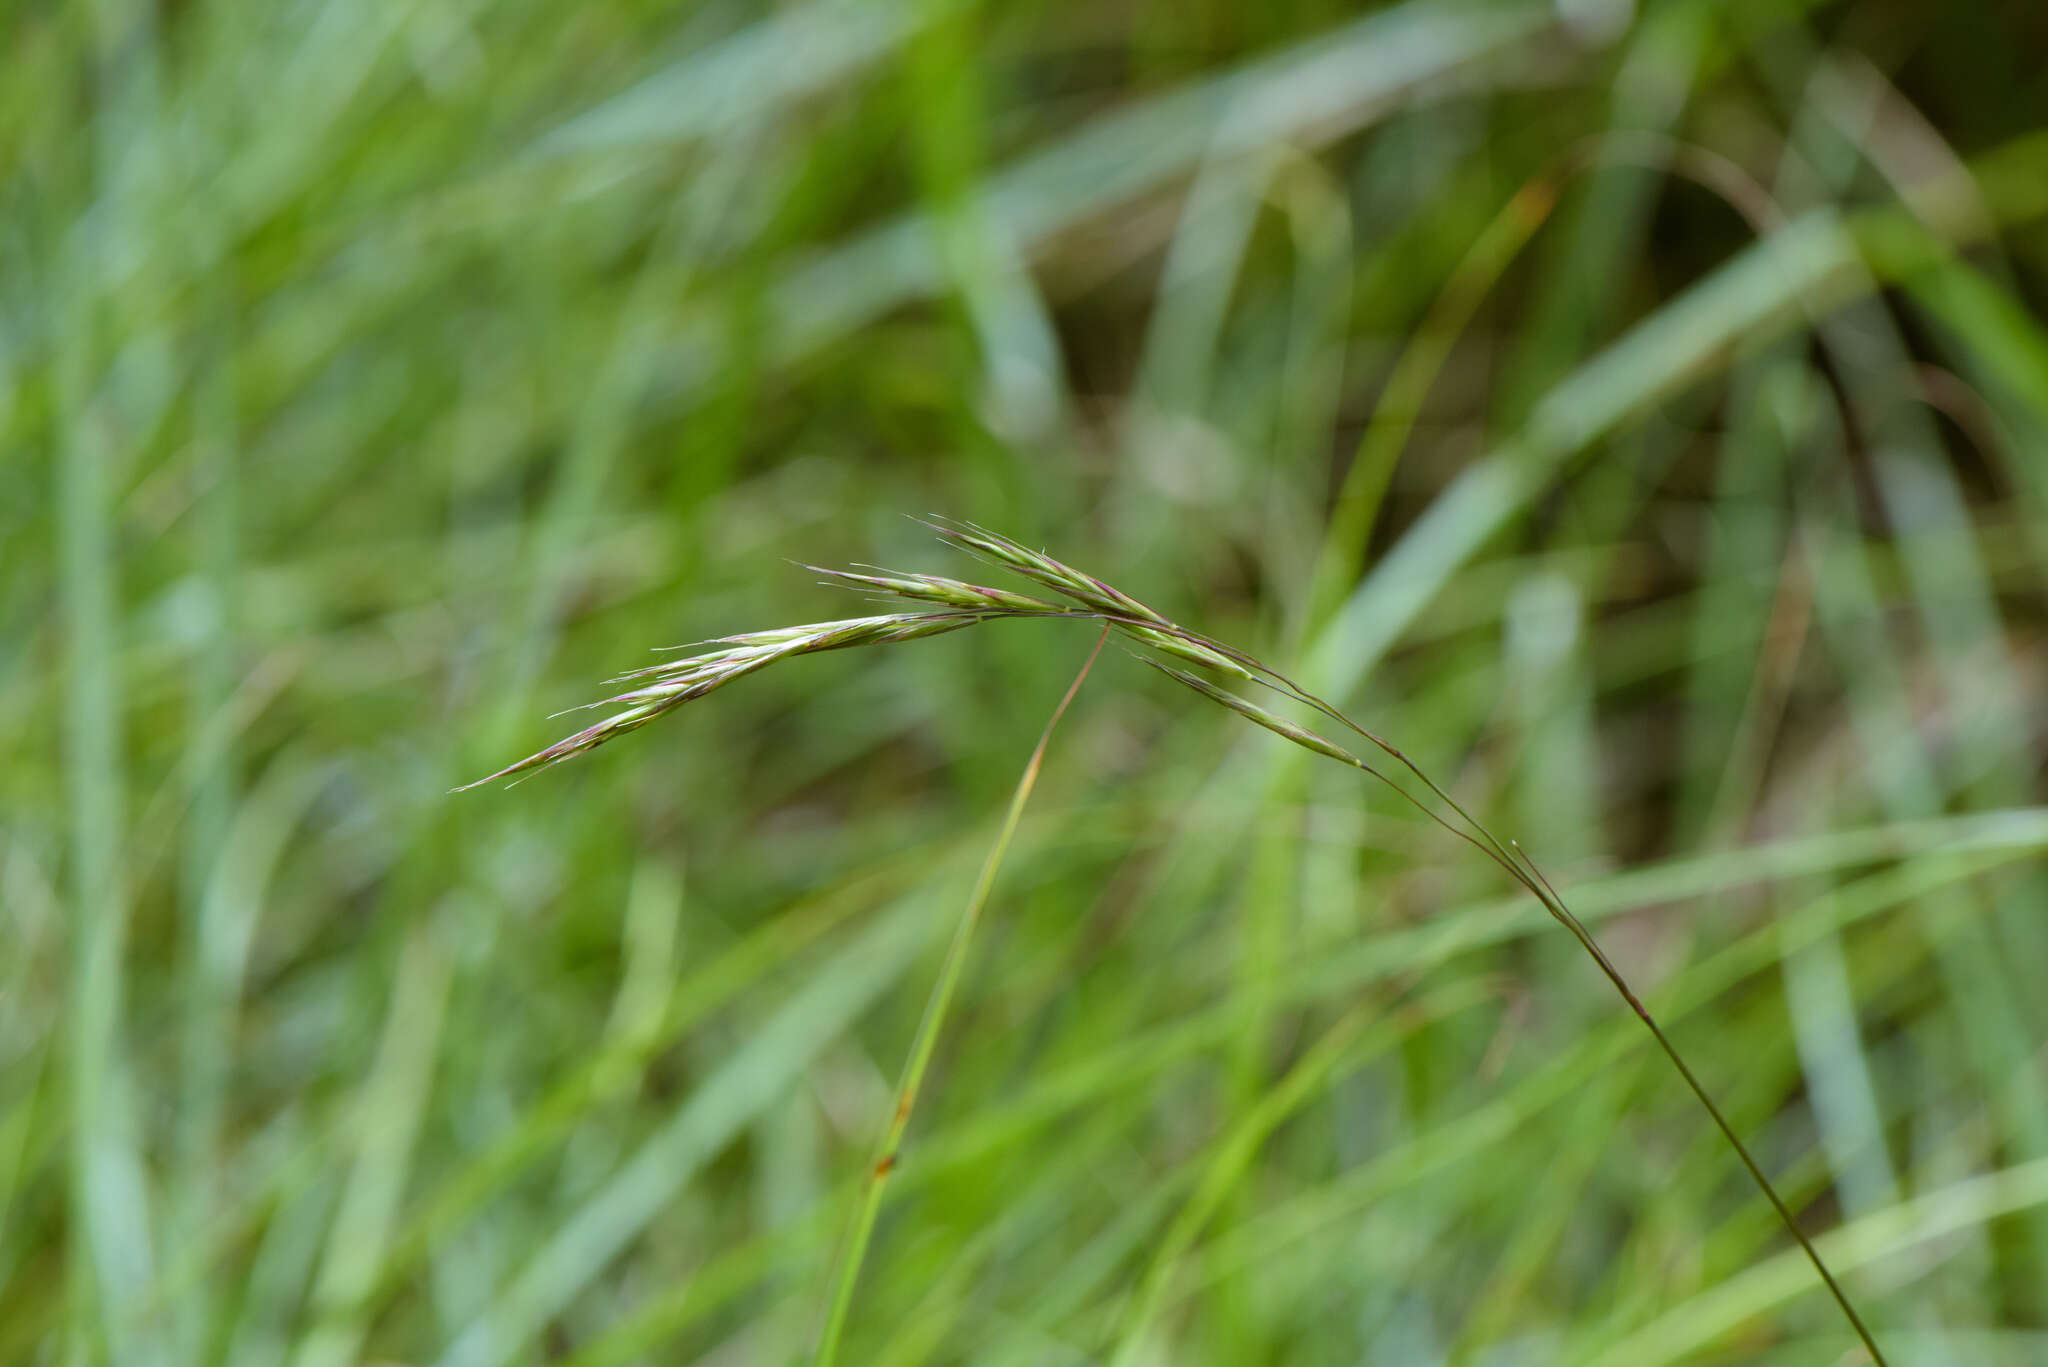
[[1636, 412]]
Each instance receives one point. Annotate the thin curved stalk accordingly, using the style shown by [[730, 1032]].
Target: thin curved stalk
[[921, 1048], [1525, 872]]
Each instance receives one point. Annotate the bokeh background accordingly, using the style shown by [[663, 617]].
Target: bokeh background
[[1636, 412]]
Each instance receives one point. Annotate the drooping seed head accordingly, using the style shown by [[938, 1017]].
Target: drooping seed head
[[660, 688]]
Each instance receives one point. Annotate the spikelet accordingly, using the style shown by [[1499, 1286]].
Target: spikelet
[[664, 687]]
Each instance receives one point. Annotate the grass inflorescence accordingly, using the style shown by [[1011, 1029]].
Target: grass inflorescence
[[952, 605]]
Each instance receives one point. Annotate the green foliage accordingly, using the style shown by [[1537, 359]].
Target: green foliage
[[1633, 411]]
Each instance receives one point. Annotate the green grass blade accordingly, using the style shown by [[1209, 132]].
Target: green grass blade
[[111, 1249], [589, 1236], [387, 1118]]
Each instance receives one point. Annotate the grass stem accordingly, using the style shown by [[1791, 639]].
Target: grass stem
[[848, 1274], [1519, 866], [1523, 869]]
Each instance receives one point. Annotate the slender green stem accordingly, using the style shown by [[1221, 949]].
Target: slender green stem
[[1519, 866], [928, 1032], [1561, 913], [1540, 887], [1414, 372], [1524, 870]]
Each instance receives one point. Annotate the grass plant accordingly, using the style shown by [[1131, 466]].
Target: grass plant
[[661, 688]]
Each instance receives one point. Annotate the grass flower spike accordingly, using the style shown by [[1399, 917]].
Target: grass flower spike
[[669, 685]]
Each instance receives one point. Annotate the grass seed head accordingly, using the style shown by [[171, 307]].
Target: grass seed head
[[662, 687]]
